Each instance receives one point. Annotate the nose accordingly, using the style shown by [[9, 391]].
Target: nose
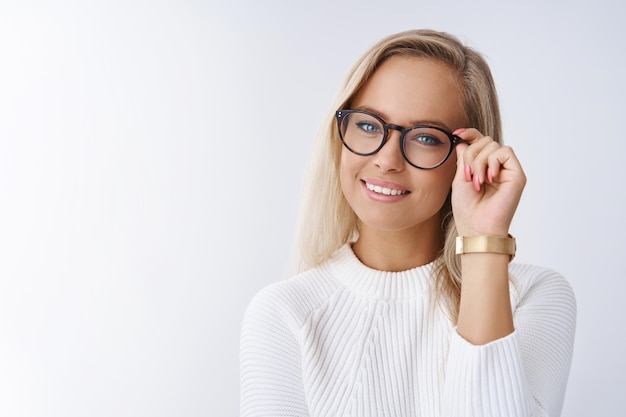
[[389, 158]]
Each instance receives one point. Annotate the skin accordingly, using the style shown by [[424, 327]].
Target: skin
[[402, 232]]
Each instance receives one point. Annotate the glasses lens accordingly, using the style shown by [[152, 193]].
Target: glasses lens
[[426, 147], [361, 132]]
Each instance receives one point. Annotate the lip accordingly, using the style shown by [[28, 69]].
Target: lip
[[384, 184]]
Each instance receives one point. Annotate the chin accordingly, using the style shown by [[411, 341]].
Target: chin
[[391, 226], [394, 223]]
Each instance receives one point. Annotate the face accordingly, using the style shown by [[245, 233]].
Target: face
[[385, 192]]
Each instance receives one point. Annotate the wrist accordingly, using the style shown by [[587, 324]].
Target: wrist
[[482, 244], [482, 231]]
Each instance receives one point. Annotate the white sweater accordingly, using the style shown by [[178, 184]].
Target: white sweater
[[345, 340]]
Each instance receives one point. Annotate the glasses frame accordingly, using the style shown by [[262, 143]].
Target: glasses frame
[[454, 140]]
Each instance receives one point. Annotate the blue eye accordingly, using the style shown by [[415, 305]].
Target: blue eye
[[368, 127], [426, 140]]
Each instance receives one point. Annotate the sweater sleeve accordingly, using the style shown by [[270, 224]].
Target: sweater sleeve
[[270, 361], [525, 373]]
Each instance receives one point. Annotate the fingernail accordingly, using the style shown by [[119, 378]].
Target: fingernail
[[468, 173], [476, 183], [459, 131], [489, 176]]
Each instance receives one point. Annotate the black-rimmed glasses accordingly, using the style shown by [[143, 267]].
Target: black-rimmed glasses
[[424, 147]]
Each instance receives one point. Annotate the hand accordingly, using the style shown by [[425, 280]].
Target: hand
[[487, 186]]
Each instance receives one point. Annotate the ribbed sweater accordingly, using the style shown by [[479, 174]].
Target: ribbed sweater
[[345, 340]]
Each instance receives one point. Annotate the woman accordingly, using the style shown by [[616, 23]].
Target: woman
[[408, 304]]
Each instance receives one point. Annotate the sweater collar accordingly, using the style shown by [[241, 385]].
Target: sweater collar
[[363, 280]]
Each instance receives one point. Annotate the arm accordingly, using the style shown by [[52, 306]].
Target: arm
[[485, 309], [485, 193], [524, 373], [503, 362], [271, 374]]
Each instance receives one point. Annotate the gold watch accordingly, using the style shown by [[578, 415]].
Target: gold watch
[[486, 244]]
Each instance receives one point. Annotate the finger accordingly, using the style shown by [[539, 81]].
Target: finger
[[505, 158], [462, 170], [469, 135], [475, 158], [475, 139], [480, 164], [476, 148]]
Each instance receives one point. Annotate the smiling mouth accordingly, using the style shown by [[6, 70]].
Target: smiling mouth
[[385, 191]]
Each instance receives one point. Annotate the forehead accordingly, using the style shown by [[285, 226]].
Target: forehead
[[407, 90]]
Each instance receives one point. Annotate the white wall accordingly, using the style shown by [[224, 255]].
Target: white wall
[[151, 158]]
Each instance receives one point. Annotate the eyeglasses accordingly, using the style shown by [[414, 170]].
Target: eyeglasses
[[424, 147]]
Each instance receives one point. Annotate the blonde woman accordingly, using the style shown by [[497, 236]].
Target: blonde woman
[[407, 303]]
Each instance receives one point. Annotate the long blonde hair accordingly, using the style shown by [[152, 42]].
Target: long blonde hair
[[326, 220]]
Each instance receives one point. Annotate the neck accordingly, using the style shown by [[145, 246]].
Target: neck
[[399, 250]]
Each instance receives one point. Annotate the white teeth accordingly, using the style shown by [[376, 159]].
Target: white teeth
[[386, 191]]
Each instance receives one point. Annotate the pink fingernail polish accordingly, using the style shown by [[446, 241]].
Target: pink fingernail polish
[[459, 131], [476, 183], [468, 173]]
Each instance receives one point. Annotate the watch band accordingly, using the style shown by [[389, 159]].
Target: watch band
[[486, 244]]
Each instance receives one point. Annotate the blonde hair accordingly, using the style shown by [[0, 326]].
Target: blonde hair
[[326, 220]]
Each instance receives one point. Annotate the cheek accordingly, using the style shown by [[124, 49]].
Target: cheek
[[440, 182], [447, 171], [349, 166]]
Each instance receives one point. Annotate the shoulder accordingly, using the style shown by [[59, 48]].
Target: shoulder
[[536, 284], [292, 300]]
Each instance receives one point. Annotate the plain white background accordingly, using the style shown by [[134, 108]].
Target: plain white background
[[151, 161]]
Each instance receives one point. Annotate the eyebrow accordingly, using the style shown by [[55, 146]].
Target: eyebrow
[[420, 122]]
